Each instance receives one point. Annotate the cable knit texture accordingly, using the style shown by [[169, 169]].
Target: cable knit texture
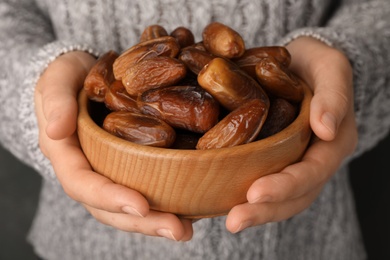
[[34, 33]]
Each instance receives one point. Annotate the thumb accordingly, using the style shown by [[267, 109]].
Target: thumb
[[328, 109], [328, 72], [59, 106], [332, 87], [58, 87]]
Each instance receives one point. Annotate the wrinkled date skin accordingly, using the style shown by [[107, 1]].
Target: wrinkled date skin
[[281, 114], [195, 59], [153, 73], [140, 129], [278, 80], [223, 41], [184, 36], [251, 57], [100, 77], [117, 98], [240, 126], [153, 32], [227, 83], [184, 107], [162, 46]]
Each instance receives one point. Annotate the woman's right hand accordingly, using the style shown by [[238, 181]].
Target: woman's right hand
[[112, 204]]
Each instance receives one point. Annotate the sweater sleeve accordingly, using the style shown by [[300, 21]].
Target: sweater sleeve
[[27, 46], [362, 32]]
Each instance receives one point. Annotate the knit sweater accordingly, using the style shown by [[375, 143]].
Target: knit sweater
[[34, 33]]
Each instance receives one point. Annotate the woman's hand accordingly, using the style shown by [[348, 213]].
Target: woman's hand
[[282, 195], [110, 203]]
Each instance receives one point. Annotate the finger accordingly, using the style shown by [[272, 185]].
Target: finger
[[155, 224], [329, 73], [60, 110], [42, 123], [248, 215], [293, 181], [189, 232], [58, 88], [332, 96], [91, 188]]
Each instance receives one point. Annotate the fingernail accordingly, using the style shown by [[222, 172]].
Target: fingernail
[[131, 211], [329, 120], [243, 225], [166, 233]]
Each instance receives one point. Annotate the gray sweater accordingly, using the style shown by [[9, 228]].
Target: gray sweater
[[34, 33]]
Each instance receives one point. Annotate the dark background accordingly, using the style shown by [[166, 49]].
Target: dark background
[[370, 177]]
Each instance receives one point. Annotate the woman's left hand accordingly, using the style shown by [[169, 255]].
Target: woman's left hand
[[279, 196]]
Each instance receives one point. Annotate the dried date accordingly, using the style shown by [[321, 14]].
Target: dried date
[[281, 114], [100, 77], [140, 129], [221, 40], [227, 83], [153, 32], [195, 59], [153, 73], [184, 107], [278, 80], [162, 46], [184, 36], [240, 126], [252, 56], [117, 98]]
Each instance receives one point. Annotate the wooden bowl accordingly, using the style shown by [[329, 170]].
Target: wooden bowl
[[192, 183]]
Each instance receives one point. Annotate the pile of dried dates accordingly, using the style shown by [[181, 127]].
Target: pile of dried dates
[[170, 91]]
